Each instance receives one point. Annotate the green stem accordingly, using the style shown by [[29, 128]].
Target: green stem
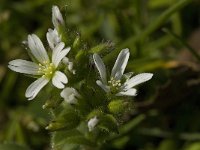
[[151, 28]]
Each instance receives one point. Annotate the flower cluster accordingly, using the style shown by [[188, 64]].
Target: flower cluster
[[47, 66]]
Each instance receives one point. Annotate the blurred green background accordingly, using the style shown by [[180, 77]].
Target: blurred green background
[[164, 38]]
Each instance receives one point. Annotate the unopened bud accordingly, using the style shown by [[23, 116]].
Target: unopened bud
[[92, 123], [116, 106], [57, 18]]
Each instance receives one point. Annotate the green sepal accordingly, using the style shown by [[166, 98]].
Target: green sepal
[[77, 42], [98, 48], [108, 123], [51, 103], [96, 112], [81, 56]]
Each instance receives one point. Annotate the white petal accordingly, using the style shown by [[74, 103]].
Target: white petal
[[60, 54], [35, 87], [101, 67], [59, 79], [129, 92], [37, 48], [65, 60], [24, 66], [53, 38], [57, 18], [120, 64], [57, 50], [140, 78], [92, 123], [103, 86]]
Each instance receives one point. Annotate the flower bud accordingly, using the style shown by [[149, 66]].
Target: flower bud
[[57, 18], [70, 95], [92, 123], [116, 106]]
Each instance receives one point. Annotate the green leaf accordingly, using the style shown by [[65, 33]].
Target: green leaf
[[193, 146], [80, 140], [59, 137], [12, 146], [73, 137], [66, 121], [167, 144]]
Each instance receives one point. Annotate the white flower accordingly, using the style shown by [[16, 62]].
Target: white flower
[[57, 18], [70, 95], [116, 85], [43, 67], [92, 123], [53, 38]]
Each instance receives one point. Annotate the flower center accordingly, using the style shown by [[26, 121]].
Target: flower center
[[46, 69], [114, 85]]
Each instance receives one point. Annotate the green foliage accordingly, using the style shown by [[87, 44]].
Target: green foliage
[[12, 147]]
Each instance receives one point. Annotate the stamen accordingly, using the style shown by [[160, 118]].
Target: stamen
[[114, 85], [46, 69]]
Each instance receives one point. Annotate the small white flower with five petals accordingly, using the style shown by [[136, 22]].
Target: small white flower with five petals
[[44, 67], [115, 85]]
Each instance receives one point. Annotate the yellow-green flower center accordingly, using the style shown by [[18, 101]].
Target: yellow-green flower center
[[114, 85], [46, 69]]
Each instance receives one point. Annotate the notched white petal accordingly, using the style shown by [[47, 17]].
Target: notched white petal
[[138, 79], [120, 64], [101, 67], [59, 53], [59, 79], [129, 92], [23, 66], [35, 87], [103, 86], [37, 48]]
